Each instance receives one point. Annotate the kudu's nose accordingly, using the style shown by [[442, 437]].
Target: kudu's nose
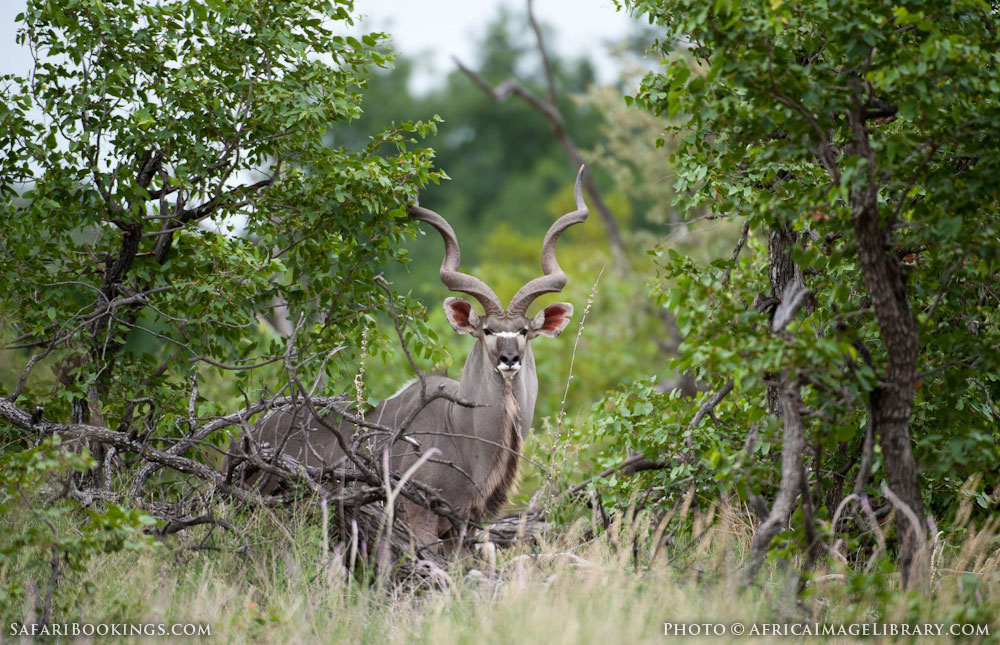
[[509, 359]]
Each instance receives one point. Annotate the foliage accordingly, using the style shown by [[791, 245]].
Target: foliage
[[174, 127], [788, 115], [44, 536], [167, 197]]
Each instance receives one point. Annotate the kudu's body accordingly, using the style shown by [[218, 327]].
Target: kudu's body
[[478, 444]]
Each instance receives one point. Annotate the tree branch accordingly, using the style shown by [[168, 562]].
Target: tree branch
[[550, 110], [791, 481]]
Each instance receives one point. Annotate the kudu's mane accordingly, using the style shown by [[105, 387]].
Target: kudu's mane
[[503, 470]]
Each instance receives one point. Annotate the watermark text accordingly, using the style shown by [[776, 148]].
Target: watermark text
[[904, 630], [70, 630]]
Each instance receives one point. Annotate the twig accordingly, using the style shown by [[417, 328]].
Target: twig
[[736, 251], [634, 463], [392, 492], [572, 359]]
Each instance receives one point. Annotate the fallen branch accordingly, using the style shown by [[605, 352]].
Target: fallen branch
[[179, 524], [199, 434]]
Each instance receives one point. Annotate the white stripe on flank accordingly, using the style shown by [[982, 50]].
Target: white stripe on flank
[[394, 395], [402, 388]]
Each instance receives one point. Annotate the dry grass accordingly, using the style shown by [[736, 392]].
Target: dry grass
[[572, 590]]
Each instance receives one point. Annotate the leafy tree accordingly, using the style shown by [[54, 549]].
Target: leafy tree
[[165, 189], [857, 142]]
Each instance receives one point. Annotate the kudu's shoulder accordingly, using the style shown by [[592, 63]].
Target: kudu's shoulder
[[412, 392]]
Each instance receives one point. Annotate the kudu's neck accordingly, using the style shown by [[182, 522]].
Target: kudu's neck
[[483, 384], [502, 418]]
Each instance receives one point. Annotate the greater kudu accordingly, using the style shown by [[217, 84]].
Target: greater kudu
[[479, 444]]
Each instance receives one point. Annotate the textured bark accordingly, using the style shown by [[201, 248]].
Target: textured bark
[[781, 272], [893, 402], [788, 295]]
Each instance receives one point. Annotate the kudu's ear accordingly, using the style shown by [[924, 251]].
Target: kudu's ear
[[552, 320], [461, 315]]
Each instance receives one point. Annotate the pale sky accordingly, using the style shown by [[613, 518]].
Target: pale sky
[[433, 31]]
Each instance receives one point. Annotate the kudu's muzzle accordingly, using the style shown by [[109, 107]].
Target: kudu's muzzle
[[509, 356]]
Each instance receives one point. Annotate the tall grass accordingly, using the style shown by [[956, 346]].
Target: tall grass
[[272, 584]]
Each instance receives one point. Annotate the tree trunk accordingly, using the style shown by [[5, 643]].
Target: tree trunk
[[783, 399], [893, 402], [781, 272]]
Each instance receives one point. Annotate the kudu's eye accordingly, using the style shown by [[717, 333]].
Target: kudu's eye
[[487, 332], [524, 332]]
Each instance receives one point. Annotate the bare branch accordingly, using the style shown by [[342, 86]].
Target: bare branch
[[635, 463], [241, 417], [550, 110], [710, 403], [736, 251], [546, 65], [794, 297], [791, 484]]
